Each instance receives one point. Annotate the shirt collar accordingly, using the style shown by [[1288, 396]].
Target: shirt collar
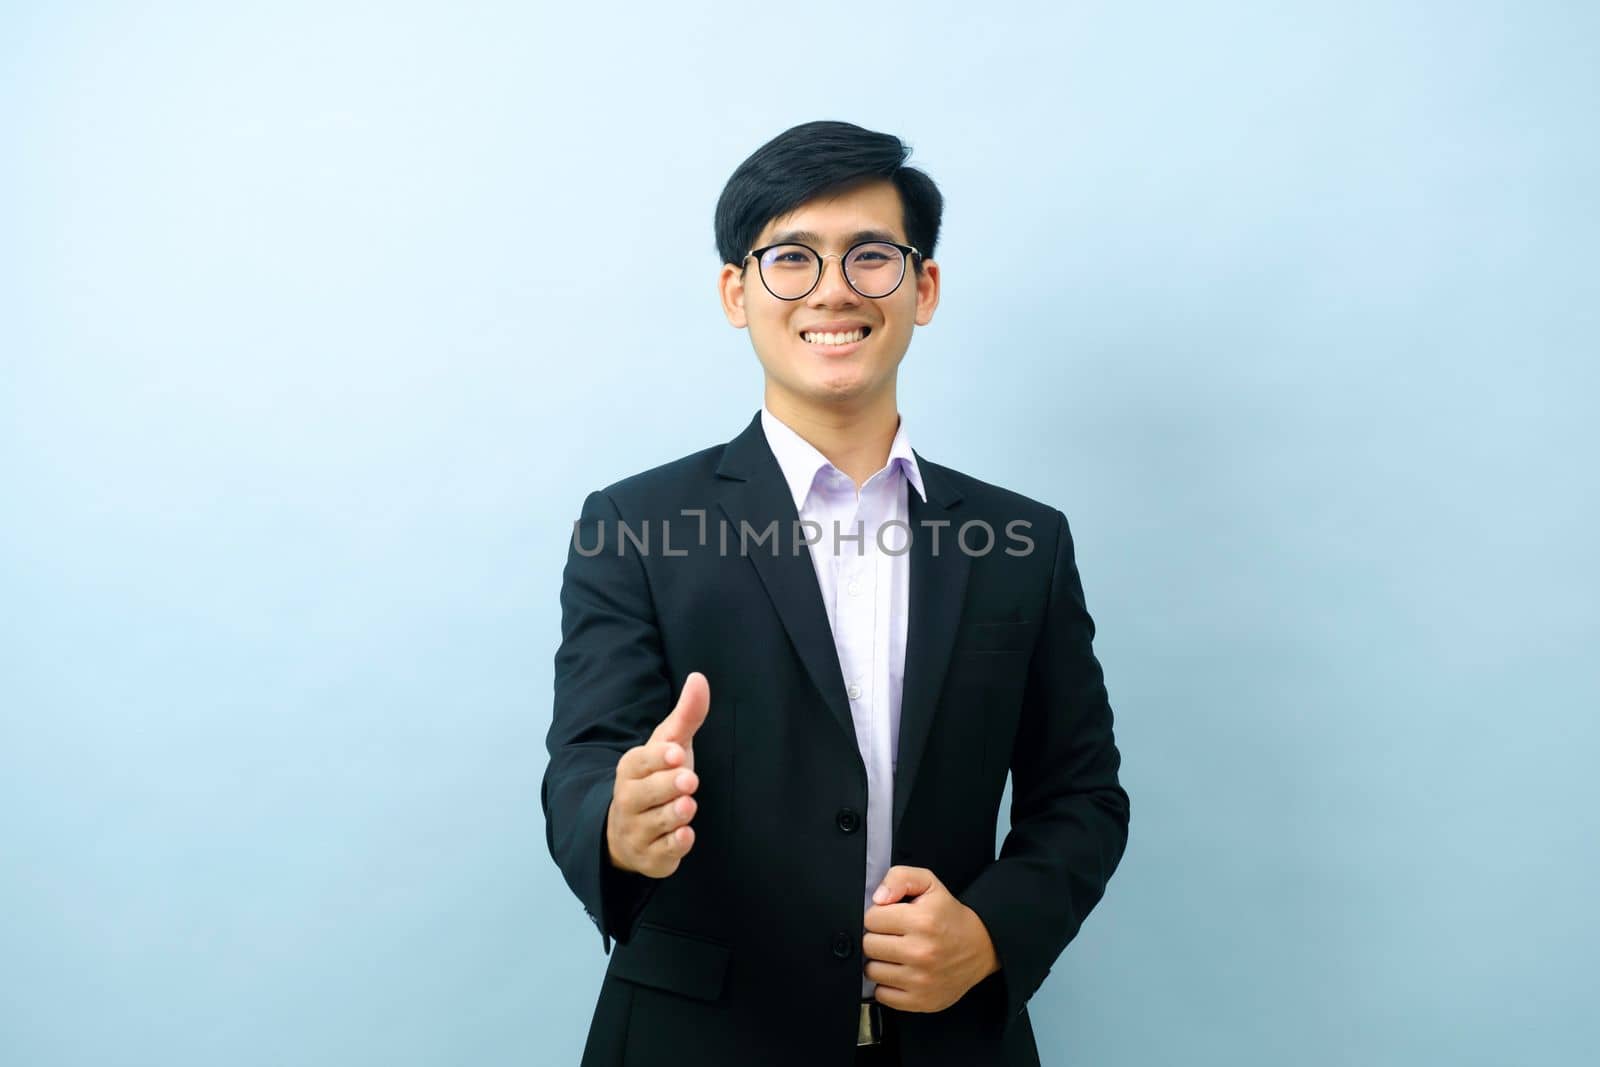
[[800, 461]]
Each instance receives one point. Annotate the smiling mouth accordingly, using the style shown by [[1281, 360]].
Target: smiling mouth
[[836, 339]]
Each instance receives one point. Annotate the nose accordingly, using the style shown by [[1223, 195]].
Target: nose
[[833, 287]]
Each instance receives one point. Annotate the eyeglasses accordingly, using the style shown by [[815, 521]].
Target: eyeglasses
[[872, 268]]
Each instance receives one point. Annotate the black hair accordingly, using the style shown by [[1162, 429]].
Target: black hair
[[822, 158]]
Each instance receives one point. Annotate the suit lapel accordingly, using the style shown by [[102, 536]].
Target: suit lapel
[[755, 493], [938, 589]]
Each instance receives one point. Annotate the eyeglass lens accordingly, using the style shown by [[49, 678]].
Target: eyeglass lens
[[791, 271]]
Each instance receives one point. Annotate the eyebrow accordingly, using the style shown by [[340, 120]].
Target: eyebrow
[[811, 237]]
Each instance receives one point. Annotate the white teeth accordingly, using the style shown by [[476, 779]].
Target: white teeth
[[834, 338]]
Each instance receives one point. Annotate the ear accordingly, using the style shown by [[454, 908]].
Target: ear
[[927, 292], [730, 287]]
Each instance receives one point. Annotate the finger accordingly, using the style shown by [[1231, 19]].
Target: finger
[[646, 759], [901, 882], [665, 818], [885, 948], [892, 919], [890, 997], [693, 704], [889, 974], [662, 787], [674, 845]]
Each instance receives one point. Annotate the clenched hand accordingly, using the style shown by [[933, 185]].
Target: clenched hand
[[927, 952]]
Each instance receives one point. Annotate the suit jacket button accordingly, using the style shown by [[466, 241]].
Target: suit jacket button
[[843, 945], [848, 820]]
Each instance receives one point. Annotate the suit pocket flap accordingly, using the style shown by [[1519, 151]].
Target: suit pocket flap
[[677, 962]]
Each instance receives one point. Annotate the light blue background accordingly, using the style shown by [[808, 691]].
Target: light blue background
[[315, 330]]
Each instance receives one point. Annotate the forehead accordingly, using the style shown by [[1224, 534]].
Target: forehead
[[869, 212]]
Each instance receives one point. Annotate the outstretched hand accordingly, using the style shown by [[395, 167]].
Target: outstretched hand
[[647, 825]]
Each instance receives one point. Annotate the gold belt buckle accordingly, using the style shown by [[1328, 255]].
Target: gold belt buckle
[[869, 1027]]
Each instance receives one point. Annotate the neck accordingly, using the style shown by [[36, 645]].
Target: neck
[[855, 439]]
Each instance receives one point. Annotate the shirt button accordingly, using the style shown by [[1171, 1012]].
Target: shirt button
[[854, 691], [855, 588], [849, 821], [843, 945]]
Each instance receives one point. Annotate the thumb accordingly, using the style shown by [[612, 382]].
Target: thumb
[[693, 704], [901, 882]]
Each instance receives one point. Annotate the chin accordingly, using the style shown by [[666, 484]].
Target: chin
[[840, 390], [842, 380]]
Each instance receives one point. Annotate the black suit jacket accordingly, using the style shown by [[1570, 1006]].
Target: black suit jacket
[[750, 952]]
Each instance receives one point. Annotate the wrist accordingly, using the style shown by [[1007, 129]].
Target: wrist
[[986, 949], [611, 853]]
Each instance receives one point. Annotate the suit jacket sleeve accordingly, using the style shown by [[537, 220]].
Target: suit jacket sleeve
[[1069, 814], [612, 689]]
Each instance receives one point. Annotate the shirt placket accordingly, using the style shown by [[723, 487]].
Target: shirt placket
[[856, 585]]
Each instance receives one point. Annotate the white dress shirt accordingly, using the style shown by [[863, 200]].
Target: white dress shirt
[[866, 592]]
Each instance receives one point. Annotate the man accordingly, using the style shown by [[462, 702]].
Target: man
[[796, 668]]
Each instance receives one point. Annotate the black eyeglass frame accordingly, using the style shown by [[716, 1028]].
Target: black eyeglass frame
[[906, 251]]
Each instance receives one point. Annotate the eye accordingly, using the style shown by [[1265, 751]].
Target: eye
[[789, 257]]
